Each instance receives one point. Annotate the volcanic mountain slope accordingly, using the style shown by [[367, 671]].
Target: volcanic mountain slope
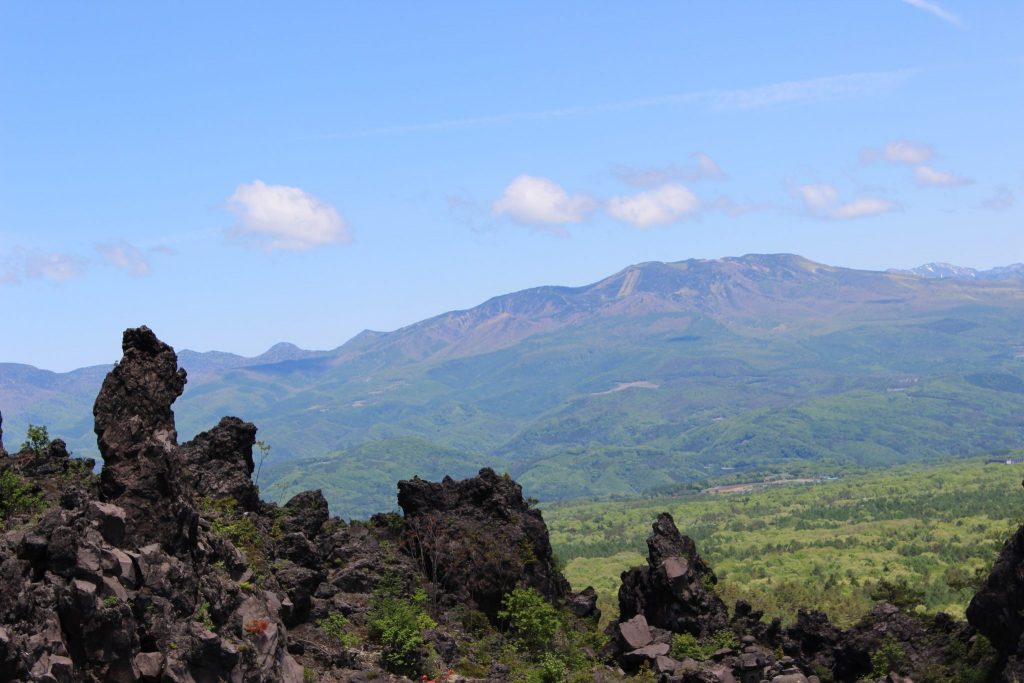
[[658, 375]]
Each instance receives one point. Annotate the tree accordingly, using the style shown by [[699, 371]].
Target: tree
[[37, 439], [264, 448]]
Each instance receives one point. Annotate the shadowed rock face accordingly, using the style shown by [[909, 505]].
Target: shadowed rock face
[[119, 581], [135, 433], [997, 610], [672, 591], [478, 538], [134, 403]]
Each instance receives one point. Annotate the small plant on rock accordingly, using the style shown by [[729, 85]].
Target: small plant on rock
[[533, 620], [37, 440], [888, 657], [16, 495], [202, 615], [397, 622], [335, 625]]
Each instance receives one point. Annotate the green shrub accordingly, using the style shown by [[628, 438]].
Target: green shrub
[[533, 620], [553, 669], [37, 439], [398, 623], [202, 615], [888, 657], [898, 593], [687, 645], [335, 625], [16, 495]]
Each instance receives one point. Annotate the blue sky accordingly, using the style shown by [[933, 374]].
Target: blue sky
[[237, 174]]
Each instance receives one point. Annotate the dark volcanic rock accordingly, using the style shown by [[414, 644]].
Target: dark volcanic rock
[[134, 403], [136, 435], [120, 581], [584, 604], [672, 591], [306, 512], [477, 539], [997, 610], [218, 464], [2, 451]]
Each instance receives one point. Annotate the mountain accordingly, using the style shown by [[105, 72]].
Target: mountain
[[657, 376], [948, 270]]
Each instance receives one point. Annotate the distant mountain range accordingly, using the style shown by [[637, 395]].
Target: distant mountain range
[[948, 270], [659, 375]]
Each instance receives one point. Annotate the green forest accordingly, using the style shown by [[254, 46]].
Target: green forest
[[922, 537]]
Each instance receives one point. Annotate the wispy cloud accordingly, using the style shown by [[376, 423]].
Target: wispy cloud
[[1002, 200], [660, 206], [926, 176], [282, 217], [125, 256], [30, 264], [822, 201], [787, 92], [531, 200], [899, 152], [937, 11], [704, 168]]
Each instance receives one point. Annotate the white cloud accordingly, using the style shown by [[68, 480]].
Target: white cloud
[[899, 152], [282, 217], [904, 152], [928, 176], [1002, 200], [57, 267], [125, 256], [660, 206], [704, 169], [935, 10], [531, 200], [822, 200]]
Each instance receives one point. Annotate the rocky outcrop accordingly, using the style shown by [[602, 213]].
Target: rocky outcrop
[[997, 610], [673, 591], [124, 579], [218, 465], [136, 436], [2, 451], [478, 538], [168, 566]]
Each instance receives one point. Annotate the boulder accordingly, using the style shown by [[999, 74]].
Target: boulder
[[305, 512], [584, 604], [110, 519], [634, 633]]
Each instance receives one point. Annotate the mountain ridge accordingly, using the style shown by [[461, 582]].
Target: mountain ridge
[[657, 375]]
